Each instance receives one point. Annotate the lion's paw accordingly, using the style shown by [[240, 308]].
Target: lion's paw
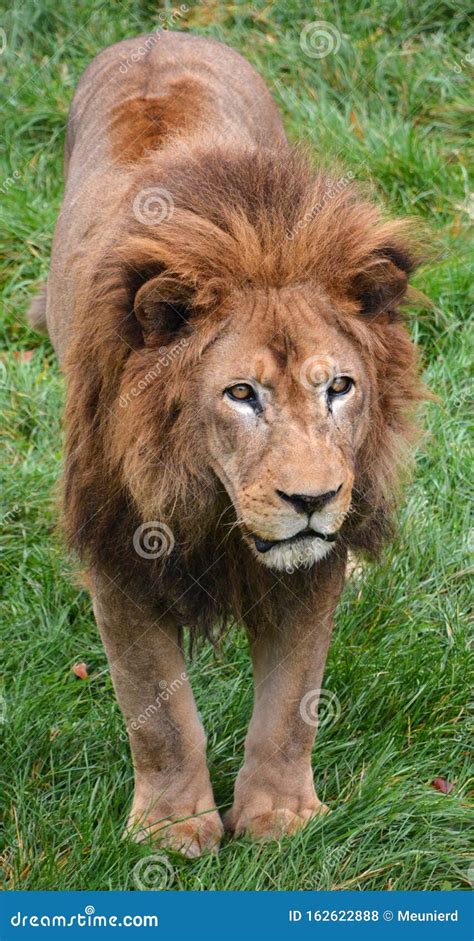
[[271, 824], [191, 836]]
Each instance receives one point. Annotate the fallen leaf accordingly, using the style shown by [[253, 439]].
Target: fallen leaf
[[358, 131], [23, 356], [456, 227], [80, 670], [441, 784]]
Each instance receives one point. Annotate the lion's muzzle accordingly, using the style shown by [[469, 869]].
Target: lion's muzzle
[[264, 545]]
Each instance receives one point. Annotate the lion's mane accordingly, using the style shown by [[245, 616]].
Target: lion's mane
[[240, 222]]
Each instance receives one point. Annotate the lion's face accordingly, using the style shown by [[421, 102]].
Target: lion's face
[[285, 398]]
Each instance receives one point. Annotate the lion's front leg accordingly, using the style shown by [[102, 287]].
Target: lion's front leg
[[274, 791], [173, 801]]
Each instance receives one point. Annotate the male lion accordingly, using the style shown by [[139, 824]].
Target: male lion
[[238, 390]]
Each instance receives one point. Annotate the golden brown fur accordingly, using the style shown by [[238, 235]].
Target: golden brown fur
[[257, 266], [228, 237], [141, 124]]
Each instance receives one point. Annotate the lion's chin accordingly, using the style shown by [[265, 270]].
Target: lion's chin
[[291, 557]]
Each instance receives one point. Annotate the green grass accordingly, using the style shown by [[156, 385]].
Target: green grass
[[392, 106]]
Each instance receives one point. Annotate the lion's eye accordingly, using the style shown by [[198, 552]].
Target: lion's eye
[[241, 392], [340, 386]]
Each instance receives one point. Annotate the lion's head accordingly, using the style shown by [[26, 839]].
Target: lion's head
[[283, 397], [262, 378]]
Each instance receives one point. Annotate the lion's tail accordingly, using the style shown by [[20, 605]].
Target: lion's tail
[[36, 313]]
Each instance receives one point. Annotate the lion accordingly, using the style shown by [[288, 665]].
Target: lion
[[241, 388]]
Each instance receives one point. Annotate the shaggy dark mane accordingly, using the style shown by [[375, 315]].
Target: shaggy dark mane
[[241, 221]]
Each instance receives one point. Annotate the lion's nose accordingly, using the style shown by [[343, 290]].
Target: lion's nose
[[309, 502]]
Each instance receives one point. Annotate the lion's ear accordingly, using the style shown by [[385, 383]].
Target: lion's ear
[[381, 286], [163, 307]]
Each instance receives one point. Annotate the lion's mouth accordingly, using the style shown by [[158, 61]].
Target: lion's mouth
[[264, 545]]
